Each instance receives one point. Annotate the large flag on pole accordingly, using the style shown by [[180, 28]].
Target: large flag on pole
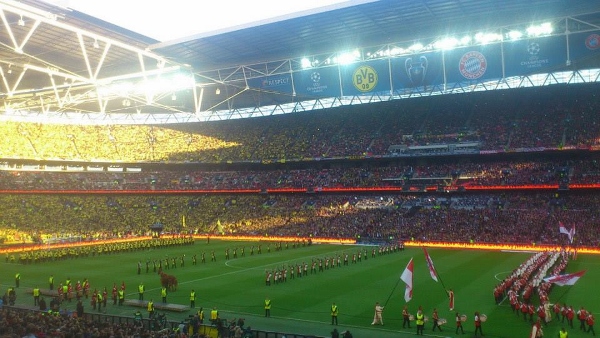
[[407, 278], [566, 279], [563, 230], [432, 271]]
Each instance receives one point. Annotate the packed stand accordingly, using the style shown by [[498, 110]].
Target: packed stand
[[485, 218], [533, 118]]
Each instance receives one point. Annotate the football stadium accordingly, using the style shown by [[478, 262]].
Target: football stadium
[[362, 169]]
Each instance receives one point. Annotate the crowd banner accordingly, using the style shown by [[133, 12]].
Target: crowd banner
[[280, 83], [534, 56], [317, 83], [583, 46], [365, 78], [473, 64], [420, 70]]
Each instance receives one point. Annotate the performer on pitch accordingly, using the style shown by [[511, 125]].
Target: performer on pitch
[[451, 299], [378, 318], [405, 317]]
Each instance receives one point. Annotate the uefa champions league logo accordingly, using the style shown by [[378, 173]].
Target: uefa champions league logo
[[316, 87], [315, 77], [533, 49]]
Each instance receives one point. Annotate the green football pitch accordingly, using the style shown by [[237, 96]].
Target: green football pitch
[[236, 287]]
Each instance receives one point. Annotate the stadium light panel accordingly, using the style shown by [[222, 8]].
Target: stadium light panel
[[514, 35], [305, 63], [485, 38], [397, 51], [416, 47], [349, 57], [542, 29], [465, 40], [447, 43]]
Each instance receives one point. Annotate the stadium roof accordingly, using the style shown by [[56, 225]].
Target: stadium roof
[[364, 23], [60, 60]]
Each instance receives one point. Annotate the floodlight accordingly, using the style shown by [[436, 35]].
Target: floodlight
[[487, 37], [21, 22], [547, 28], [447, 43], [465, 40], [348, 57], [416, 47], [96, 45], [396, 51], [515, 35], [305, 63], [542, 29]]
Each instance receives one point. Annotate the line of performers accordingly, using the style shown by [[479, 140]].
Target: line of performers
[[280, 274], [420, 319]]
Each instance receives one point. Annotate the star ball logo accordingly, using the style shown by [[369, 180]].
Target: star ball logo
[[533, 48], [365, 78], [315, 77], [316, 87], [533, 58], [472, 65]]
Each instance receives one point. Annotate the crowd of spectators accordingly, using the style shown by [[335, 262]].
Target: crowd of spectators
[[498, 173], [553, 116], [490, 218], [14, 324]]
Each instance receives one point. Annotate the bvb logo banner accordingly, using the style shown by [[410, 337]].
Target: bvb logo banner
[[365, 78]]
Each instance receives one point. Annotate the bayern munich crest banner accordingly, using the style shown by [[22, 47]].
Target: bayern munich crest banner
[[418, 70], [584, 45], [316, 83], [473, 64], [532, 56]]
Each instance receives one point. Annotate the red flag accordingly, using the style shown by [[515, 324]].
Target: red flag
[[407, 278], [566, 279], [432, 271]]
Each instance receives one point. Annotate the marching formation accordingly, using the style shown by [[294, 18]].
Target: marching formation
[[529, 279], [318, 265]]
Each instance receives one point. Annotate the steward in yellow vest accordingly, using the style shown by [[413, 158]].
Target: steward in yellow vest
[[267, 307], [214, 316], [193, 299]]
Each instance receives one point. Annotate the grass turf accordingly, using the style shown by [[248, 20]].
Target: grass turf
[[302, 305]]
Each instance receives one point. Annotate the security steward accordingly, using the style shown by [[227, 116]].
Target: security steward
[[141, 291], [267, 307], [150, 308], [163, 294], [36, 296], [334, 314], [192, 299]]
